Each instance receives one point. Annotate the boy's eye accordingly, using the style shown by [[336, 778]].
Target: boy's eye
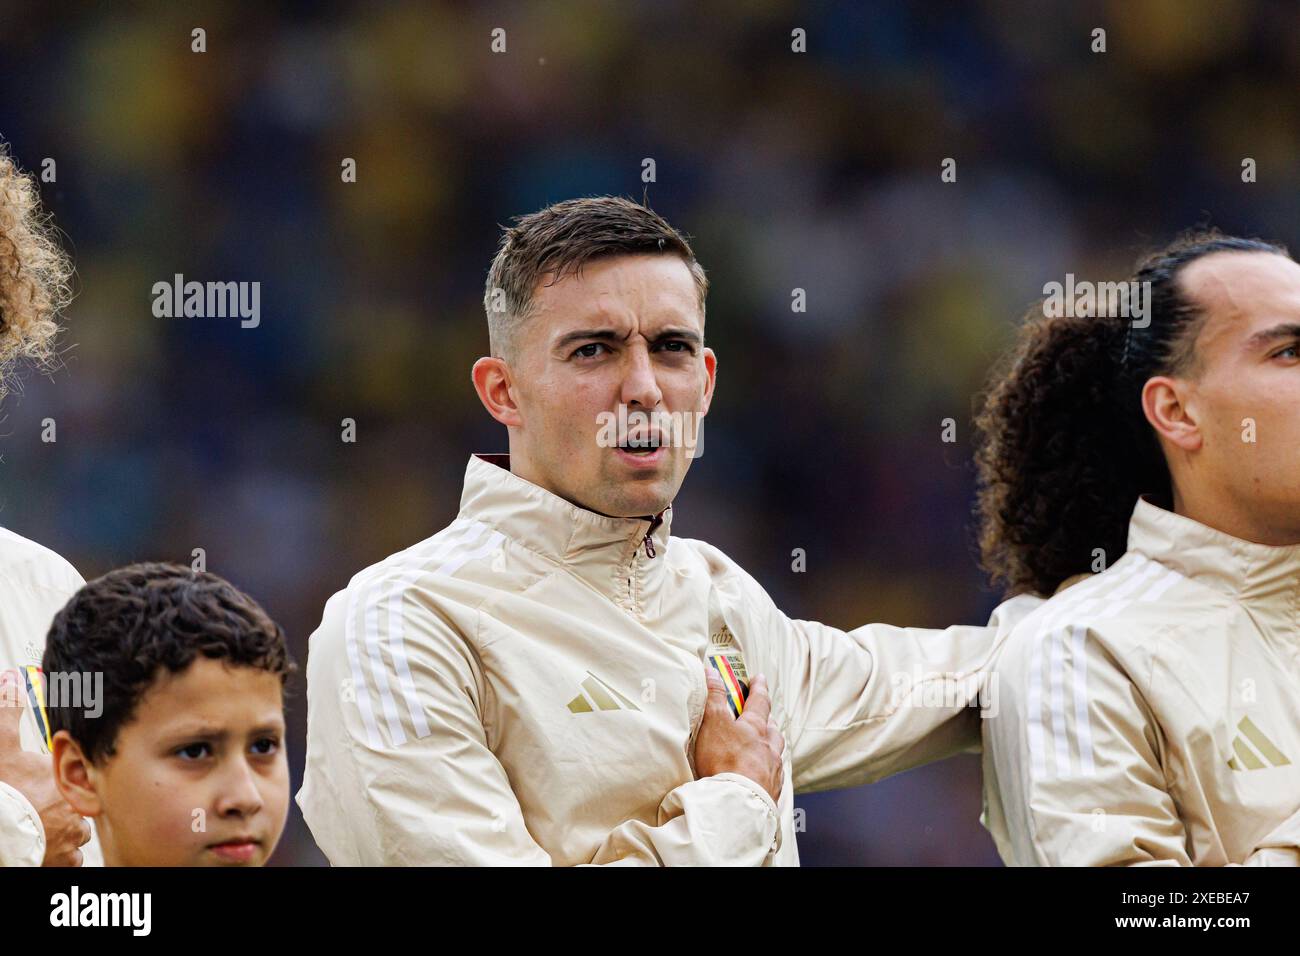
[[266, 746], [195, 751], [588, 350]]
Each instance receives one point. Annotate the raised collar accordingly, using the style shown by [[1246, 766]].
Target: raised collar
[[1244, 569], [602, 550]]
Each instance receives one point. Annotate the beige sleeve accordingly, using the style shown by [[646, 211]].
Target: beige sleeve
[[723, 820], [22, 836], [1075, 751], [1279, 848], [435, 794]]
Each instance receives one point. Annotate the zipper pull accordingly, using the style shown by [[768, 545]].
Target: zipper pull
[[649, 546]]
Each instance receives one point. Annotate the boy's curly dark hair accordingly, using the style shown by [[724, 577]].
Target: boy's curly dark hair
[[1063, 449], [35, 274], [138, 622]]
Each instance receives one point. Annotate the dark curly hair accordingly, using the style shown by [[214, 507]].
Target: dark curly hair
[[137, 622], [1063, 449], [35, 274]]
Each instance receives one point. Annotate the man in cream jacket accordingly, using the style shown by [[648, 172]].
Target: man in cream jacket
[[528, 686], [1150, 713]]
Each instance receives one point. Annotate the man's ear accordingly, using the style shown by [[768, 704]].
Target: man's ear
[[74, 775], [711, 371], [1167, 404], [492, 381]]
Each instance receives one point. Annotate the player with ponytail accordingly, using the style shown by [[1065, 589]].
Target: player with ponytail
[[1065, 448], [1150, 713]]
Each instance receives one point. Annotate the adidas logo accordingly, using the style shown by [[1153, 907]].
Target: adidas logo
[[597, 695], [1254, 750]]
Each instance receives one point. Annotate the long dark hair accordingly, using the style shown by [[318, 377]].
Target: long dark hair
[[1063, 450]]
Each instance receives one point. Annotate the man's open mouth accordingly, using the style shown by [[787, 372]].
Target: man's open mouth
[[641, 446]]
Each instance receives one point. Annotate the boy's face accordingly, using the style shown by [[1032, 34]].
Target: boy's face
[[199, 775]]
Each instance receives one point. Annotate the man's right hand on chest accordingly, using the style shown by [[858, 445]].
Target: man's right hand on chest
[[749, 745]]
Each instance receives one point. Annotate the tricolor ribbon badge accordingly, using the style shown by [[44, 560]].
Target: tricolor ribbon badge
[[735, 688], [35, 681]]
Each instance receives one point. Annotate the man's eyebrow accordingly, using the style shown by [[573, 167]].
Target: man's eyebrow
[[600, 335], [1286, 330], [609, 335], [679, 333]]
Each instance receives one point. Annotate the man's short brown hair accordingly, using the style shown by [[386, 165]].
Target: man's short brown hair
[[557, 241]]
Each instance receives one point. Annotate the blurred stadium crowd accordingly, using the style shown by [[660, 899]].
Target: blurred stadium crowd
[[818, 171]]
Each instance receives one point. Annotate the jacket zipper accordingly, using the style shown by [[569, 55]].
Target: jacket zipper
[[648, 541]]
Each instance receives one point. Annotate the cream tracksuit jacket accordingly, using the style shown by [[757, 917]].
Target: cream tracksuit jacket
[[1151, 713], [525, 688], [35, 583]]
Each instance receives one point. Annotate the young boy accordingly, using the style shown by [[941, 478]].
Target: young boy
[[165, 703]]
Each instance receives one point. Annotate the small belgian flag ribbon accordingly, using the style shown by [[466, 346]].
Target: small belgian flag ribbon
[[36, 696], [736, 689]]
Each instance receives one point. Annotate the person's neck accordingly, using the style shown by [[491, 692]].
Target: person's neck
[[1226, 515], [107, 845], [521, 467]]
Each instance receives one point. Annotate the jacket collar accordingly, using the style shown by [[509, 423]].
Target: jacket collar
[[600, 549], [1244, 569]]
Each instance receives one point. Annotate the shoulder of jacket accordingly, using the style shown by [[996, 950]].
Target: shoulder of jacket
[[712, 562], [449, 554], [364, 607], [711, 558], [27, 562], [439, 579], [1129, 630]]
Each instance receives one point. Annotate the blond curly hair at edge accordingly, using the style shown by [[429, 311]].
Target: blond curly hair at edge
[[35, 274]]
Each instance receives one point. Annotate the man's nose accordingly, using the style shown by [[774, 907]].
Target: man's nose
[[640, 386]]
